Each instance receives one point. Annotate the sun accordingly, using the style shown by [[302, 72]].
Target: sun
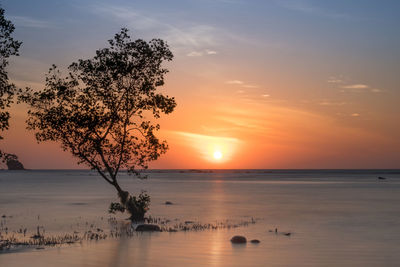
[[217, 154]]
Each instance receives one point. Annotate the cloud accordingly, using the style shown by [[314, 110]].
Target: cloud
[[355, 115], [211, 52], [202, 53], [334, 80], [234, 82], [23, 21], [355, 86], [250, 86], [179, 34], [328, 103], [265, 95], [242, 84], [309, 8], [346, 86], [195, 36], [195, 54], [133, 17]]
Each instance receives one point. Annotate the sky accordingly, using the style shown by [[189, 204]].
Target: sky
[[259, 84]]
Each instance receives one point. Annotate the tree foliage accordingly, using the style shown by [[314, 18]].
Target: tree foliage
[[8, 47], [104, 110]]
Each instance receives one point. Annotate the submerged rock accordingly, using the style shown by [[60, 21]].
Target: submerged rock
[[238, 239], [255, 241], [148, 228]]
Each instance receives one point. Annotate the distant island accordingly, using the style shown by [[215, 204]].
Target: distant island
[[13, 163]]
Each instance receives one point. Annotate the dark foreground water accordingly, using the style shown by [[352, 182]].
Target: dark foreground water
[[336, 218]]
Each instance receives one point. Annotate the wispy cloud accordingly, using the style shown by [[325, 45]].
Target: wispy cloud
[[23, 21], [241, 83], [194, 36], [250, 86], [197, 38], [355, 115], [211, 52], [234, 82], [355, 86], [195, 54], [330, 103], [334, 80], [307, 7], [346, 86], [202, 53]]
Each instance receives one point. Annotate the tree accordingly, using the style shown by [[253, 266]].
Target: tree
[[103, 111], [8, 47]]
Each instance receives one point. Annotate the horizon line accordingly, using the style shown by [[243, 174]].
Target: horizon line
[[215, 169]]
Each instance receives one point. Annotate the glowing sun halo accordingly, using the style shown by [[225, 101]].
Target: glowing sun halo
[[217, 155]]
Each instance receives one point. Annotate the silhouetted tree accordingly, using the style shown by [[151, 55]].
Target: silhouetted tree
[[103, 112], [12, 162], [8, 47]]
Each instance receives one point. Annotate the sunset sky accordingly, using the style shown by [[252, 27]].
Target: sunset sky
[[259, 84]]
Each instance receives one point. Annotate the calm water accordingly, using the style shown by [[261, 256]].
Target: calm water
[[337, 218]]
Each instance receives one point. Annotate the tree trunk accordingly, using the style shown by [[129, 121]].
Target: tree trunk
[[123, 195], [130, 204]]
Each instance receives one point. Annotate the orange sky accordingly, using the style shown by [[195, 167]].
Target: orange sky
[[249, 131]]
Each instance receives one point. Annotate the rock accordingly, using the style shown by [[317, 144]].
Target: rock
[[148, 228], [168, 203], [238, 239], [255, 241], [14, 164]]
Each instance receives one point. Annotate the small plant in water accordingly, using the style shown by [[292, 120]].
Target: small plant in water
[[136, 206]]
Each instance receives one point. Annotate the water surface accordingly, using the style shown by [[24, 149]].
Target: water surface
[[336, 217]]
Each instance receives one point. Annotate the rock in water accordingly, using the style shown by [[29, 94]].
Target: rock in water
[[168, 203], [14, 164], [148, 228], [255, 241], [238, 239]]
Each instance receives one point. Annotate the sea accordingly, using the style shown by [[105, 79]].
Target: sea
[[300, 217]]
